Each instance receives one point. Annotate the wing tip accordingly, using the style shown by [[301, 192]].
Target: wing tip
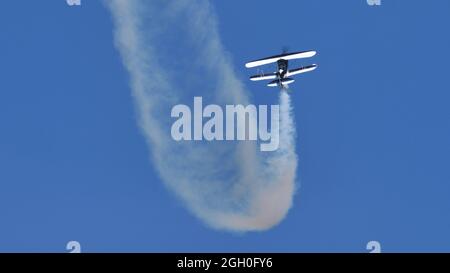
[[311, 53]]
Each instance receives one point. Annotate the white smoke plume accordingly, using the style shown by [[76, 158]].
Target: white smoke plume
[[172, 51]]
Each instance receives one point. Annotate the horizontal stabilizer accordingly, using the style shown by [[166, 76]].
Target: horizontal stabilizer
[[273, 59], [284, 81], [301, 70]]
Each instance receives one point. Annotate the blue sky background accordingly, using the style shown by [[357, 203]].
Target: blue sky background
[[373, 130]]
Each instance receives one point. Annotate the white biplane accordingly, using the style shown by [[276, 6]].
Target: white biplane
[[282, 77]]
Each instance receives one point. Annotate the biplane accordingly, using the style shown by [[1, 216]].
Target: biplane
[[283, 76]]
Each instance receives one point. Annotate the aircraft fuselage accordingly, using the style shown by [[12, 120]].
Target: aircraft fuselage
[[283, 66]]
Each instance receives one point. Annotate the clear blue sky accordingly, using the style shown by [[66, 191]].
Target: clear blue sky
[[373, 128]]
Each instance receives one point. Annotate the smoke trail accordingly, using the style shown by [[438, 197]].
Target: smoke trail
[[172, 51]]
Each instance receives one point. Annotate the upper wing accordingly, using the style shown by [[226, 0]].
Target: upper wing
[[301, 70], [261, 77], [273, 59]]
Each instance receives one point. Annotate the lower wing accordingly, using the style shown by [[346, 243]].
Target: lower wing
[[301, 70], [271, 76]]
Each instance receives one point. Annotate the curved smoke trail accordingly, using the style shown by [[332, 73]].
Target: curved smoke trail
[[172, 51]]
